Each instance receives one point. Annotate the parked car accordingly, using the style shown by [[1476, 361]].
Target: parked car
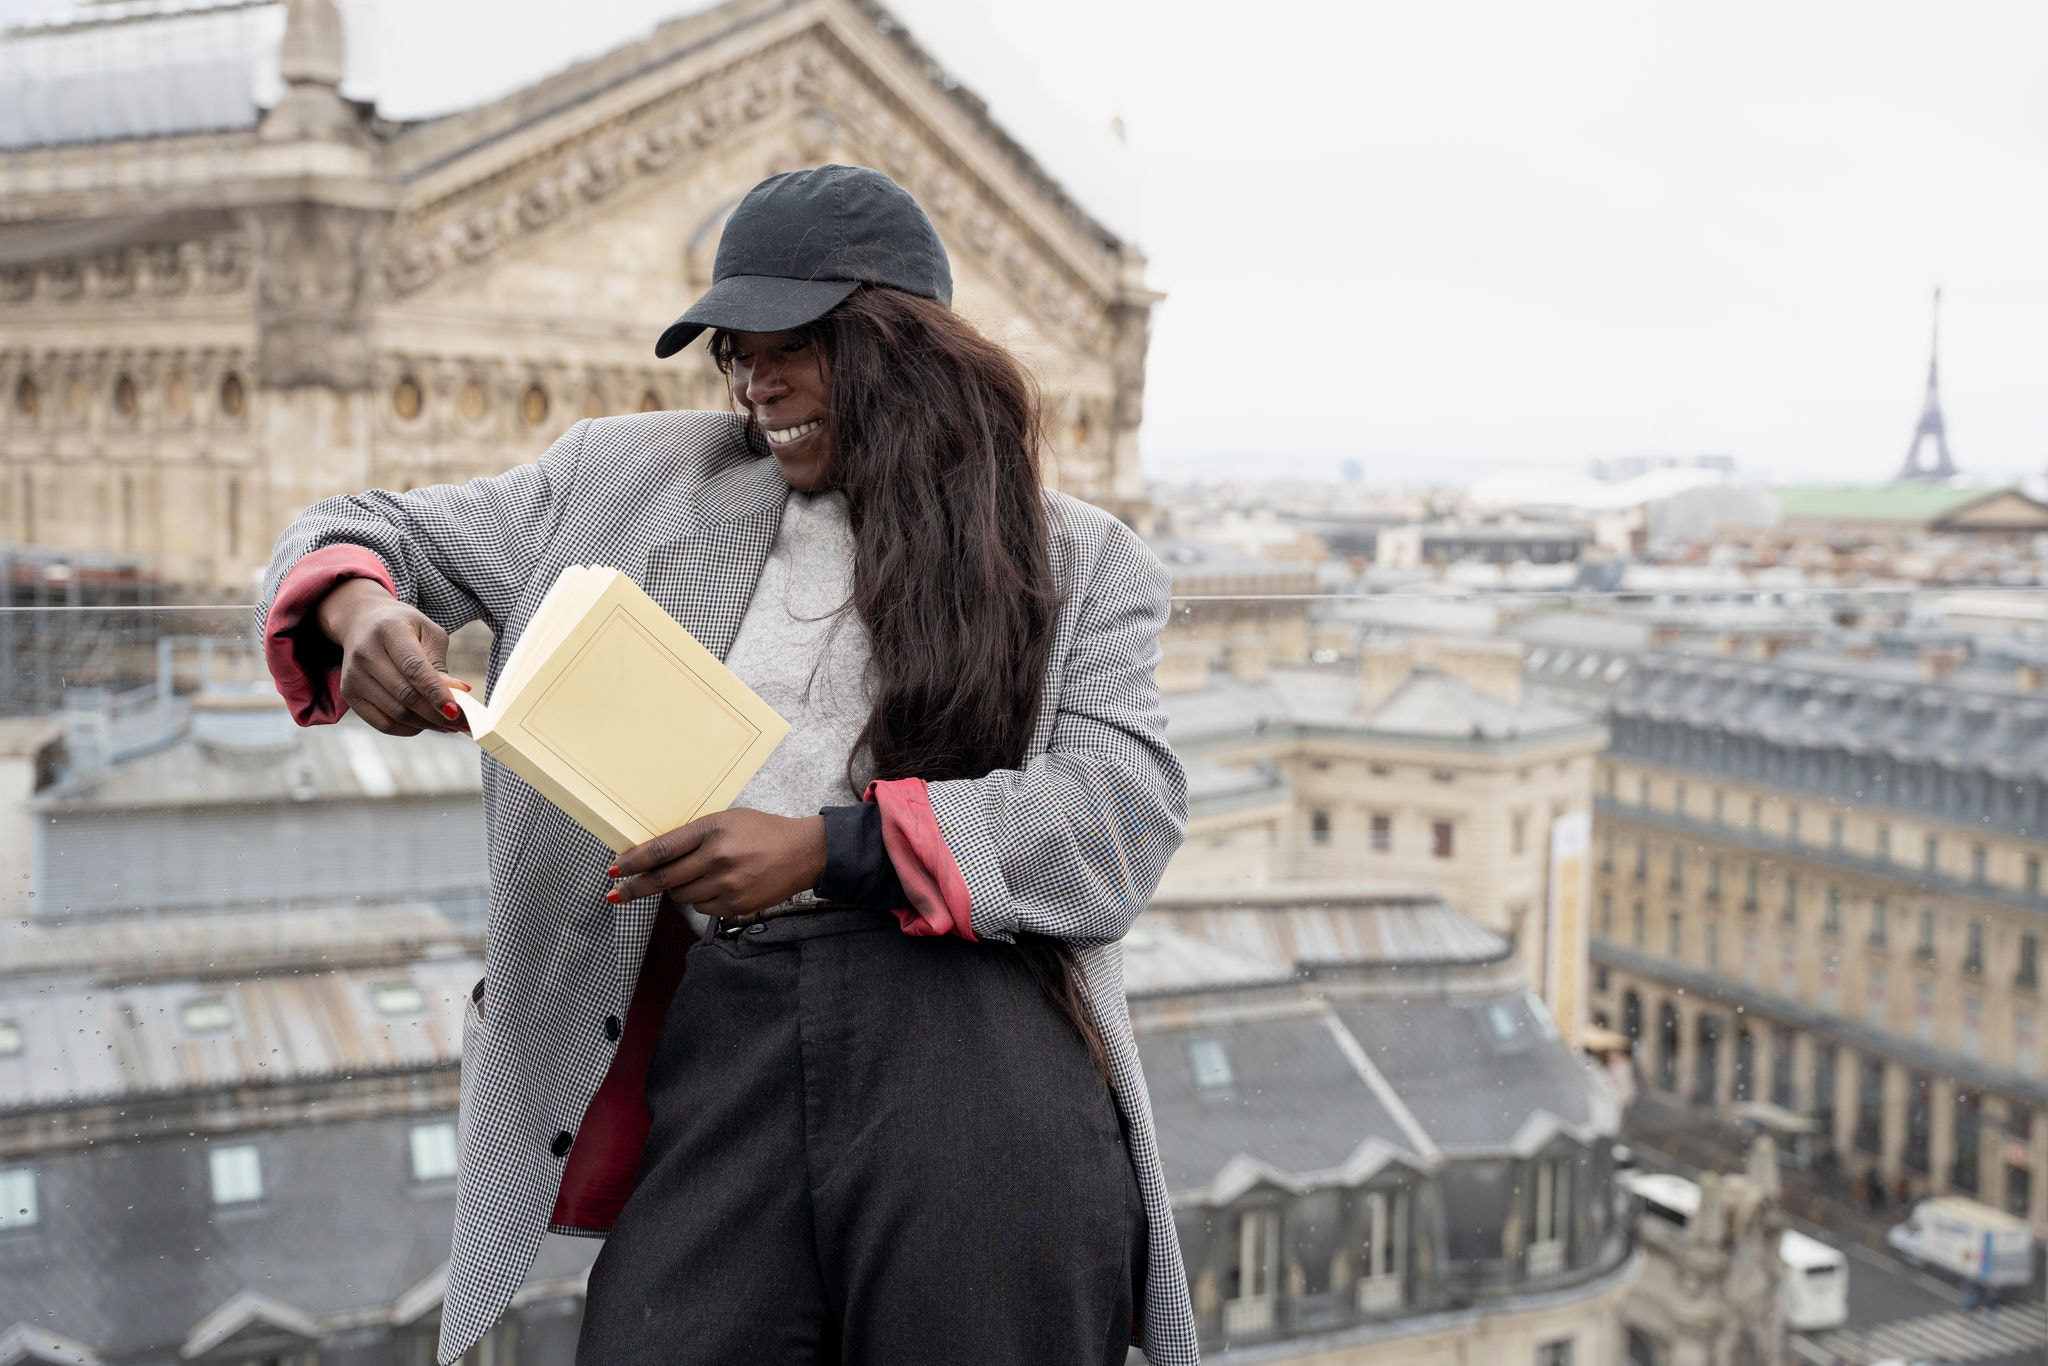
[[1968, 1241]]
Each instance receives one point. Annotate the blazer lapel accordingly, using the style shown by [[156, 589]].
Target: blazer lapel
[[706, 578]]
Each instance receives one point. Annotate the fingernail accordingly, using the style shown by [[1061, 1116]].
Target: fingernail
[[450, 710], [613, 896], [612, 871]]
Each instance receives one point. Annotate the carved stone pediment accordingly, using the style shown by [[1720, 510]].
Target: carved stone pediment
[[810, 81]]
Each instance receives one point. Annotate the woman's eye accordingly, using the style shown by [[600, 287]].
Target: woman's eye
[[790, 348]]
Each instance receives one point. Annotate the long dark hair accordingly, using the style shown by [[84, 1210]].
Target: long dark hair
[[938, 437]]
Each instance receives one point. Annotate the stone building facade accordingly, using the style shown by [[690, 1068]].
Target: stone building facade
[[1417, 761], [1819, 885], [203, 328]]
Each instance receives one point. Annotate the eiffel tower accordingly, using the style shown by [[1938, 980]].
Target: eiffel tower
[[1927, 459]]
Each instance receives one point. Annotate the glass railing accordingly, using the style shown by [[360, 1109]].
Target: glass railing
[[1533, 958]]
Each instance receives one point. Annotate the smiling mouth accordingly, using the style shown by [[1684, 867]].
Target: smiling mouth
[[783, 436]]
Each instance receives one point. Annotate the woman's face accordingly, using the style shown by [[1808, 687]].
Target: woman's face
[[780, 379]]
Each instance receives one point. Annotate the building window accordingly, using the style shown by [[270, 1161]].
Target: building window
[[1931, 854], [1613, 784], [1880, 922], [1443, 775], [1211, 1064], [1518, 832], [1973, 1027], [1790, 912], [1884, 843], [1749, 957], [237, 1173], [1674, 934], [1606, 915], [2023, 1058], [1558, 1353], [1252, 1279], [2033, 874], [1382, 832], [1792, 826], [17, 1198], [433, 1151], [1869, 1105], [1923, 1011], [1924, 946], [1973, 948], [1831, 911], [1642, 860], [1980, 864], [1874, 1002], [1713, 951], [397, 998], [1667, 1047], [1714, 878], [1550, 1228], [1678, 798], [1607, 852], [1643, 791], [1636, 924], [1383, 1260], [1919, 1122], [1752, 879], [1788, 967], [1440, 839], [1835, 833], [1756, 815], [206, 1015], [1677, 882], [2028, 975], [1720, 803]]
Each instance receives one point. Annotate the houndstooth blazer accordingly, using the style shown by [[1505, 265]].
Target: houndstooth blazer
[[1072, 844]]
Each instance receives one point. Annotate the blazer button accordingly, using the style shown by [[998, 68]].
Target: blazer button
[[611, 1028], [756, 928], [561, 1144]]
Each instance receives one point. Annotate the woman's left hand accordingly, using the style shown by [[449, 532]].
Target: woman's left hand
[[729, 864]]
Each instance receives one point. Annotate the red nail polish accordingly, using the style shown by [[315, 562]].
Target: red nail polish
[[612, 896], [612, 871], [450, 710]]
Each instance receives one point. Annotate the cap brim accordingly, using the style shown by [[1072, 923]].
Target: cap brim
[[755, 303]]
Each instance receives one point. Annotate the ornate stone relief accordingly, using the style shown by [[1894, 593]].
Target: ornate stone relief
[[124, 391], [505, 406], [312, 268], [163, 270], [813, 82]]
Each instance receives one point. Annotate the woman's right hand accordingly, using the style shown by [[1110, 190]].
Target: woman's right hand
[[393, 660]]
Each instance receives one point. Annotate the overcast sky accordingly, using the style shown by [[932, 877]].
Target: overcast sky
[[1449, 238]]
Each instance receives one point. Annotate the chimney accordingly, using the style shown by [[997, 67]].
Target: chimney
[[1938, 662], [1383, 666], [1183, 666], [1492, 666]]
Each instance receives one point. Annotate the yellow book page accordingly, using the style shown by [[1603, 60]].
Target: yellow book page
[[564, 604], [635, 720]]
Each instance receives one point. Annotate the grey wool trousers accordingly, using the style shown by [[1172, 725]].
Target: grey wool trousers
[[875, 1150]]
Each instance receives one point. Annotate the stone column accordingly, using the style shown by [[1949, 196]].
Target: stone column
[[1802, 1071], [1846, 1063], [1688, 1047], [1891, 1160], [1941, 1139], [2037, 1164]]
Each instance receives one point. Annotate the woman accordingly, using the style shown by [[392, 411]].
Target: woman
[[892, 1111]]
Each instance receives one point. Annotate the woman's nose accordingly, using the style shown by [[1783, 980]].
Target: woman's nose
[[766, 383]]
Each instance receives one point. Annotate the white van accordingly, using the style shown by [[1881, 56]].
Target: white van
[[1813, 1291], [1971, 1242]]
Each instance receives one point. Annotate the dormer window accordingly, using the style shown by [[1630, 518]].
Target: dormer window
[[10, 1039], [206, 1015], [237, 1173], [397, 998], [1211, 1065], [18, 1198]]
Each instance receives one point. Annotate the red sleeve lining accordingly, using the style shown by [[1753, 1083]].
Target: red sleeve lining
[[931, 879], [305, 665]]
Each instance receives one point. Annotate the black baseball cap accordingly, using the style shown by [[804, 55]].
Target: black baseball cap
[[800, 242]]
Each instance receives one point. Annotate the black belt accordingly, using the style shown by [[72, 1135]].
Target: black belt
[[802, 904]]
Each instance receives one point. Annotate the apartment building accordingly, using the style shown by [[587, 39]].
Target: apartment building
[[1818, 884]]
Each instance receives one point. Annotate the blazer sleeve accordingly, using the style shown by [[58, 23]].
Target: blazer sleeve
[[457, 552], [1073, 843]]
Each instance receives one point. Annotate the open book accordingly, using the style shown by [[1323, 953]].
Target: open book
[[616, 714]]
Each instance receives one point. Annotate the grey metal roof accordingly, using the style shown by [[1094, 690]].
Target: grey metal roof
[[1331, 923], [1475, 1071], [1430, 706], [1864, 707], [341, 1229], [1294, 1102], [1221, 786], [159, 71], [1160, 960], [84, 1042], [258, 756], [142, 947]]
